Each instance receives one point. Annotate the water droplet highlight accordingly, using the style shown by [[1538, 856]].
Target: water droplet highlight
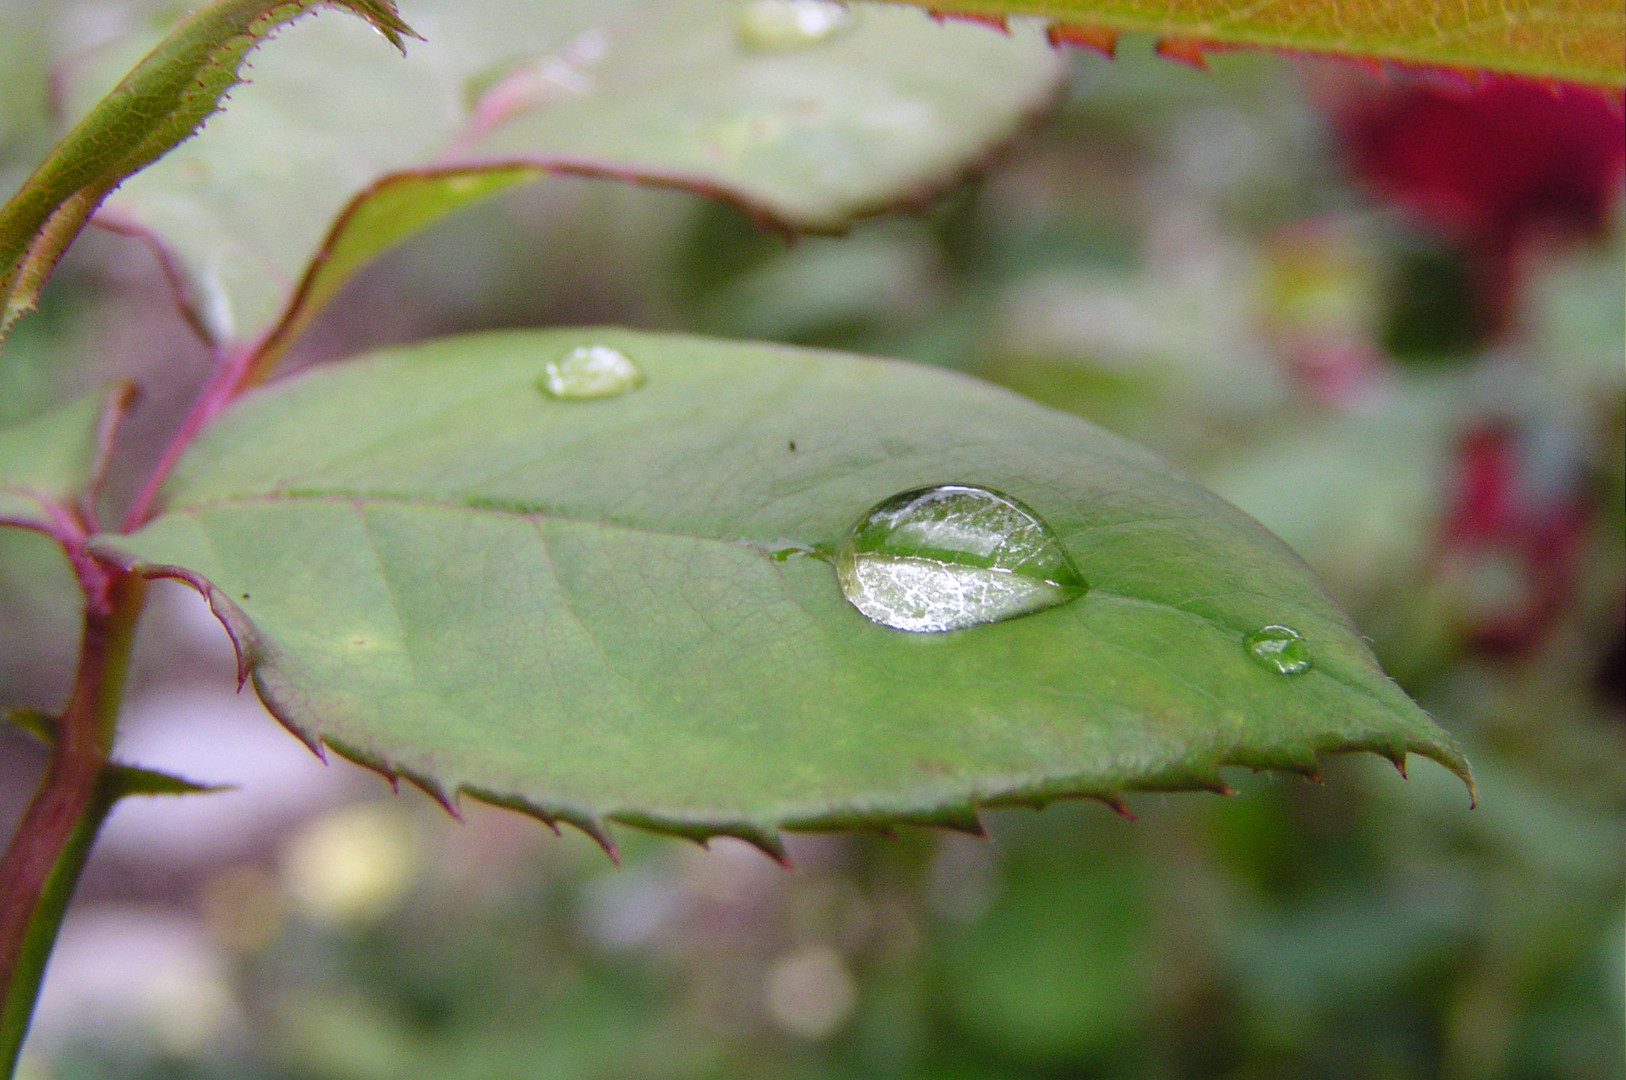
[[1281, 649], [590, 371], [773, 25], [953, 556]]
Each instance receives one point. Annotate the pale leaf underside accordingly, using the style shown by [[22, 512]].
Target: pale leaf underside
[[276, 203]]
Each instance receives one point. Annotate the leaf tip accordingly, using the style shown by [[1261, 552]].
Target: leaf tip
[[314, 745], [1213, 783], [1115, 802], [386, 19], [596, 831], [767, 841], [41, 725], [588, 823], [446, 798], [1453, 760], [124, 780], [372, 763]]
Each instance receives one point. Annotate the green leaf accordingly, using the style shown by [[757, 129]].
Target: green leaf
[[50, 358], [24, 84], [598, 609], [127, 780], [120, 780], [1577, 40], [1016, 977], [163, 100], [278, 202], [41, 613], [47, 461], [36, 722]]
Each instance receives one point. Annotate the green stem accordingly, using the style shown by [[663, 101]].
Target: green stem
[[42, 864]]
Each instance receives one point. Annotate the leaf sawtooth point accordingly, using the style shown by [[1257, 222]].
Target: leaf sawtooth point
[[1188, 51], [1102, 39]]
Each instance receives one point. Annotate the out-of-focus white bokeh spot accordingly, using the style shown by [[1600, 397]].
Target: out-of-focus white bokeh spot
[[810, 992], [352, 865]]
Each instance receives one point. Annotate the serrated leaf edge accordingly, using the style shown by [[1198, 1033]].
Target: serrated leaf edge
[[958, 815], [1186, 39], [313, 290]]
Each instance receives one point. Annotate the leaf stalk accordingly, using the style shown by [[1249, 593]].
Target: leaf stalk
[[42, 864]]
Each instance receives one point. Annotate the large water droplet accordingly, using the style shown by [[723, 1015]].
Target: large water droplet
[[1278, 648], [952, 556], [771, 25], [591, 371]]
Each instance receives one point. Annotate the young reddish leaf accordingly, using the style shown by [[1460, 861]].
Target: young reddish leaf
[[1574, 40]]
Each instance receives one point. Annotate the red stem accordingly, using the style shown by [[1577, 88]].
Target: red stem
[[69, 790], [229, 379]]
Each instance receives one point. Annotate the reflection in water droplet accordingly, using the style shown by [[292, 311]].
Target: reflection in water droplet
[[1281, 649], [952, 556], [591, 371], [790, 24]]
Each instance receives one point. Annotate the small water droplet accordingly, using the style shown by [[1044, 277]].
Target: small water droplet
[[591, 371], [953, 556], [772, 25], [1278, 648]]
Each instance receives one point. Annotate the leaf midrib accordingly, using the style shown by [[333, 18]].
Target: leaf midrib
[[356, 499], [494, 506]]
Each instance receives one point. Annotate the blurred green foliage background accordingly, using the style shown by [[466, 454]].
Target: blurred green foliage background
[[1180, 256]]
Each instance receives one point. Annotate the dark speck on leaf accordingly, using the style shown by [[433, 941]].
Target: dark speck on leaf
[[793, 445]]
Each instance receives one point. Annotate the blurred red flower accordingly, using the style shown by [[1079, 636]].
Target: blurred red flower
[[1494, 166]]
